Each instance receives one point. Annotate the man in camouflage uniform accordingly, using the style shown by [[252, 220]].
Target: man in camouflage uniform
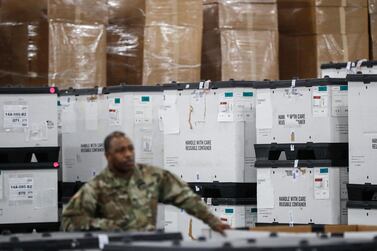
[[125, 195]]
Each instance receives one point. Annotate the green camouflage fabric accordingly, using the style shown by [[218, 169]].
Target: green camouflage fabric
[[108, 202]]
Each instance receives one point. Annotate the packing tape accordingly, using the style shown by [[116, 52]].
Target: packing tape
[[345, 47], [342, 15]]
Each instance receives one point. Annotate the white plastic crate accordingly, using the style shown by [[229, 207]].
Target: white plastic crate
[[88, 117], [341, 70], [301, 111], [209, 131], [362, 128], [28, 194], [28, 117], [237, 216], [301, 192]]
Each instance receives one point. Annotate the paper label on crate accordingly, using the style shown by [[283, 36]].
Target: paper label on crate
[[339, 101], [226, 107], [21, 189], [320, 101], [143, 112], [146, 144], [321, 184], [68, 116], [91, 115], [169, 119], [264, 113], [244, 108], [36, 132], [265, 192], [114, 111], [16, 116], [198, 106]]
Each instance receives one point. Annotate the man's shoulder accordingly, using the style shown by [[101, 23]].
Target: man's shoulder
[[150, 170]]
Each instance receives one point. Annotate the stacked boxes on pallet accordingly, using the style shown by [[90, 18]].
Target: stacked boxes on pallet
[[362, 207], [305, 120], [209, 133], [28, 159]]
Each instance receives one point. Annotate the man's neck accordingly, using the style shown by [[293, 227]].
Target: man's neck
[[126, 174]]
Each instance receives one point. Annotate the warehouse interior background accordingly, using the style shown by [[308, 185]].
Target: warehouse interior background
[[265, 108]]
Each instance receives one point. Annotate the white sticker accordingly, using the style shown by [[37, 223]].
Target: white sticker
[[68, 116], [169, 117], [320, 100], [264, 109], [16, 116], [115, 111], [225, 112], [36, 132], [265, 192], [198, 106], [147, 144], [103, 240], [321, 184], [143, 111], [21, 189], [91, 115], [339, 101]]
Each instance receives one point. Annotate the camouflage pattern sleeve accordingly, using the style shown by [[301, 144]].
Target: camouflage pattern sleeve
[[80, 212], [176, 192]]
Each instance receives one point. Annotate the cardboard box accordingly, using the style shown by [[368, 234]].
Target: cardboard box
[[24, 54], [23, 11], [156, 12], [78, 11], [321, 20], [301, 55], [240, 15], [77, 55], [373, 28], [174, 12], [240, 55], [171, 53], [124, 54], [126, 12]]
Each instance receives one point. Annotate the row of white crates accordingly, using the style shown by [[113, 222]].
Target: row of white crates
[[203, 132]]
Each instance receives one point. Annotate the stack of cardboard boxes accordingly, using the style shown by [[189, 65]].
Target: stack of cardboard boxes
[[23, 43], [77, 43], [240, 40], [154, 41], [125, 41], [313, 32]]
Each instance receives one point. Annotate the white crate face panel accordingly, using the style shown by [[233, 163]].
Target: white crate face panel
[[211, 150], [84, 129], [309, 114], [362, 216], [83, 156], [40, 202], [39, 115], [178, 220], [304, 199], [363, 132]]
